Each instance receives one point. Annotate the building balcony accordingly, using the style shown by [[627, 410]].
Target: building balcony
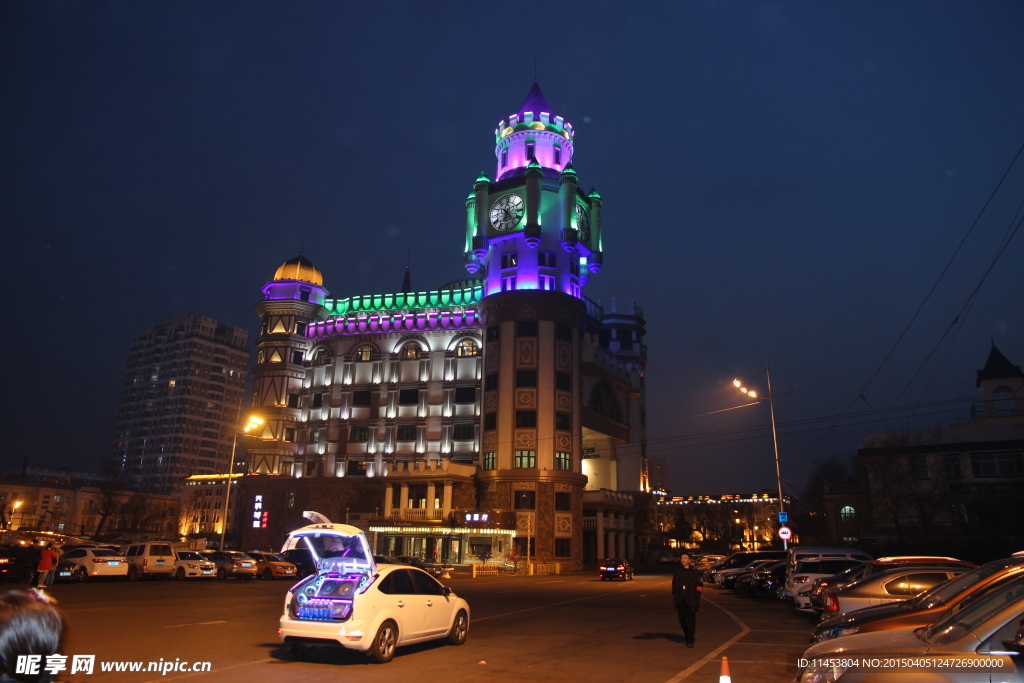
[[417, 514]]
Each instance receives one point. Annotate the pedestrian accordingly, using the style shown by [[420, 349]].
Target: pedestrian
[[47, 562], [30, 626], [58, 552], [686, 590]]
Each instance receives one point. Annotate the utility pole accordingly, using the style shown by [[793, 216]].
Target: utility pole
[[775, 441]]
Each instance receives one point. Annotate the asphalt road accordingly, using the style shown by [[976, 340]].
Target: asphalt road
[[553, 628]]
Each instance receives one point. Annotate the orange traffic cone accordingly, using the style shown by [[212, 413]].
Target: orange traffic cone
[[723, 674]]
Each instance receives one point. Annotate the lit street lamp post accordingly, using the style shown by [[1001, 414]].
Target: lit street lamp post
[[775, 436], [253, 423]]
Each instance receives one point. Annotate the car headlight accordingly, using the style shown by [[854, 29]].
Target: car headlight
[[822, 674]]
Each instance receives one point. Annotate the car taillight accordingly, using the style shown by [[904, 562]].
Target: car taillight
[[4, 560], [800, 579], [236, 564], [603, 568], [831, 604]]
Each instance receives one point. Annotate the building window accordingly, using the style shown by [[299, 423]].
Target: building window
[[508, 260], [289, 434], [919, 466], [411, 351], [491, 382], [297, 357], [359, 433], [356, 468], [406, 432], [318, 401], [300, 328], [563, 332], [408, 397], [467, 348], [526, 458], [574, 267], [531, 148], [546, 282], [490, 421], [574, 289], [363, 353], [996, 464], [493, 333], [525, 500], [320, 356], [504, 157], [489, 460], [563, 381], [546, 259], [558, 160], [951, 466], [314, 435], [362, 397], [563, 501], [958, 511], [847, 513], [508, 283], [293, 400], [563, 422], [526, 328], [526, 419], [291, 500], [465, 394], [563, 461], [304, 294], [526, 378], [310, 469], [463, 432], [1002, 401], [563, 547]]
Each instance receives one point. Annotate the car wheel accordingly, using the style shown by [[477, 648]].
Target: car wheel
[[180, 574], [780, 593], [81, 576], [222, 575], [267, 574], [133, 573], [460, 629], [383, 647]]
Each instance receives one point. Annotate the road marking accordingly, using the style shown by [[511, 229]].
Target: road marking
[[543, 582], [196, 623], [564, 602], [227, 668], [685, 673]]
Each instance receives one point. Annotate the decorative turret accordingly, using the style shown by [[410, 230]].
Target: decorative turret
[[532, 133]]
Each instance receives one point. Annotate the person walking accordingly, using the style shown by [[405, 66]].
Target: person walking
[[47, 562], [58, 552], [686, 591]]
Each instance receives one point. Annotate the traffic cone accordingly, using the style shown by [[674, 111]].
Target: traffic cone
[[723, 674]]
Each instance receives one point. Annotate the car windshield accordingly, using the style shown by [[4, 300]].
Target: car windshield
[[271, 558], [189, 555], [953, 626], [944, 591], [612, 561], [238, 556], [100, 552], [849, 574], [335, 547]]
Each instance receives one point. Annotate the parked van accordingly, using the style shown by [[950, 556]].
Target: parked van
[[800, 554], [155, 558]]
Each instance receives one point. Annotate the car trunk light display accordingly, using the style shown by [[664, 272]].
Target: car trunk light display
[[320, 609]]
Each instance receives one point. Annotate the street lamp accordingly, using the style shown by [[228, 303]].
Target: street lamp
[[254, 422], [775, 436]]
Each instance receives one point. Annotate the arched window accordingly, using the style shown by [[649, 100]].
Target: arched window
[[847, 513], [363, 352], [410, 351], [1002, 400], [466, 348], [320, 356], [604, 402]]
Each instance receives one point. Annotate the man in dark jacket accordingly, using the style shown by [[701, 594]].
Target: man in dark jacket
[[686, 590]]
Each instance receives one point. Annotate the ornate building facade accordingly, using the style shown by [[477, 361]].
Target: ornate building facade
[[461, 420]]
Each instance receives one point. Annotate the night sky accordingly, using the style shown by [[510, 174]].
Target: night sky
[[783, 178]]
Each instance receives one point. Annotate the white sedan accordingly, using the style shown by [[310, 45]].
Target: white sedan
[[96, 562], [189, 564]]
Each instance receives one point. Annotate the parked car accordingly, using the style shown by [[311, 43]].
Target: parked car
[[232, 563], [270, 566], [16, 564], [857, 572], [303, 560], [727, 578], [799, 554], [798, 583], [894, 585], [986, 631], [419, 563], [189, 564], [769, 581], [741, 559], [744, 582], [93, 563], [926, 608], [358, 605], [152, 559], [615, 569], [669, 558]]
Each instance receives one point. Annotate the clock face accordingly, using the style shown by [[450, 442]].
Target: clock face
[[507, 212], [582, 223]]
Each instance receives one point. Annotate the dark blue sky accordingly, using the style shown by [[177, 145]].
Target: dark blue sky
[[784, 178]]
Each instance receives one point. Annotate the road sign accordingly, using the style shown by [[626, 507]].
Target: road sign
[[785, 533], [783, 517]]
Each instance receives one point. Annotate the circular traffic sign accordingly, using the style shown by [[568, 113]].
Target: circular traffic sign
[[785, 533]]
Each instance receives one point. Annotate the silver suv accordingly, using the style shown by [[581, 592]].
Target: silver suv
[[155, 558]]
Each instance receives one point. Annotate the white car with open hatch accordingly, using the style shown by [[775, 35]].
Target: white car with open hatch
[[354, 603]]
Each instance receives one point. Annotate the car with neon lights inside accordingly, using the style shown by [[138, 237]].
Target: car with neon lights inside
[[355, 603]]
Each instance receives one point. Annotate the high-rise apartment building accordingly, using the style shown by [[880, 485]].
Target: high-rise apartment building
[[180, 401]]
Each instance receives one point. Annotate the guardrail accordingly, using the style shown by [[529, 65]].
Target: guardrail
[[532, 569]]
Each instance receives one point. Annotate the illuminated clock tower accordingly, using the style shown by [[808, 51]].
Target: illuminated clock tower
[[535, 239]]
